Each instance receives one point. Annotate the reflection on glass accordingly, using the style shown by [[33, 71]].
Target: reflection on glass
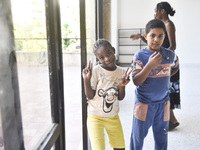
[[72, 72], [1, 134], [72, 68], [33, 73]]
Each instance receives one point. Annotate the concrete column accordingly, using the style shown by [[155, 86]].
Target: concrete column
[[11, 121], [114, 25], [106, 19]]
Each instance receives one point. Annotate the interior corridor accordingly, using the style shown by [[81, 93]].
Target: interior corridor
[[187, 135], [184, 137]]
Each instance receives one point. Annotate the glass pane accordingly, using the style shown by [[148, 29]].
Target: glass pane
[[72, 72], [1, 135], [72, 69], [31, 51]]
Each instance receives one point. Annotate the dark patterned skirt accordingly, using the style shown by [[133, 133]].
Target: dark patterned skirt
[[175, 91]]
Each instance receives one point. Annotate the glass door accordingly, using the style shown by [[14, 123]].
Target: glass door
[[31, 78]]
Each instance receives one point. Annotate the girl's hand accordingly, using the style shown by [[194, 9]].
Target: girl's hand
[[87, 72], [125, 80], [154, 60]]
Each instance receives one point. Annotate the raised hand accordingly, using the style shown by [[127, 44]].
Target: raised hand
[[125, 79], [135, 36], [155, 59], [87, 72]]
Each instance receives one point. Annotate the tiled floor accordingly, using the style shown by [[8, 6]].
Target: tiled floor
[[73, 109], [185, 137], [35, 102]]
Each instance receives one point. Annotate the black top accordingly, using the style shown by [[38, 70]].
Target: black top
[[166, 41]]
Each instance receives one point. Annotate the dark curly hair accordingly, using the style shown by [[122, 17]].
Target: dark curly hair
[[99, 43], [154, 23], [167, 7]]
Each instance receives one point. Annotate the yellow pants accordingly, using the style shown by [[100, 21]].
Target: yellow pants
[[112, 125]]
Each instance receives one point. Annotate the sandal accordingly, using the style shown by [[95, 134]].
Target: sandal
[[172, 126]]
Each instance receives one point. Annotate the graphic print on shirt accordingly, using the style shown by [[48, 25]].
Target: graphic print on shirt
[[160, 71], [109, 97], [103, 79], [136, 64]]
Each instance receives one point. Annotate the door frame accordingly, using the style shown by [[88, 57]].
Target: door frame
[[55, 135]]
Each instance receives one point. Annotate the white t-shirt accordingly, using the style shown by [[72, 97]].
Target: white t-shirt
[[105, 83]]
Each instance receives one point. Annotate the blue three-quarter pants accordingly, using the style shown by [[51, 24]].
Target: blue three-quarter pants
[[145, 116]]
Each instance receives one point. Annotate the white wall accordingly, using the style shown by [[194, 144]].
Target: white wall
[[134, 14]]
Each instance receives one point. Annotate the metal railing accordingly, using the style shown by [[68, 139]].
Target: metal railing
[[38, 44]]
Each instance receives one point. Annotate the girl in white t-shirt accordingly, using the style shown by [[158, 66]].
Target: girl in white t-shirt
[[104, 86]]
